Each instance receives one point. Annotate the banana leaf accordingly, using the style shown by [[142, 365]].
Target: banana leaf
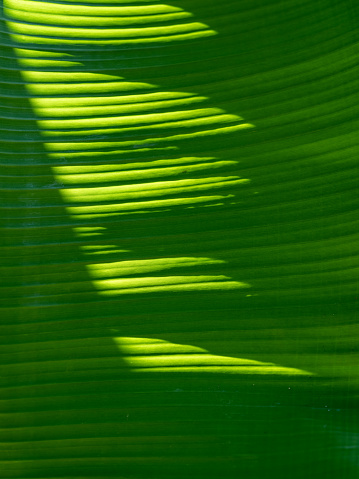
[[179, 248]]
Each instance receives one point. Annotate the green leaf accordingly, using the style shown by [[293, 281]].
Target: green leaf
[[179, 249]]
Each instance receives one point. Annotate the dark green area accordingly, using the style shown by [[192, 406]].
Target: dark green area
[[72, 404]]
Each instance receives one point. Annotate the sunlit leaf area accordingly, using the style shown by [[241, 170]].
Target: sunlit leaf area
[[179, 246]]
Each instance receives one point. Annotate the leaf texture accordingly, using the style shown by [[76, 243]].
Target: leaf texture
[[179, 249]]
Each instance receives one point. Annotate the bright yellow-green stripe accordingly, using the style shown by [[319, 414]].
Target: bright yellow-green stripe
[[200, 286], [152, 190], [124, 268], [68, 9], [136, 205], [58, 77], [93, 20], [103, 210], [86, 88], [28, 53], [44, 105], [73, 178], [134, 120], [135, 107], [46, 63], [143, 187], [93, 34], [201, 122], [81, 146], [81, 169], [103, 40]]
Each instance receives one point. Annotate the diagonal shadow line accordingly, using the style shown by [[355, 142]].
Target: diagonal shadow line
[[80, 277]]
